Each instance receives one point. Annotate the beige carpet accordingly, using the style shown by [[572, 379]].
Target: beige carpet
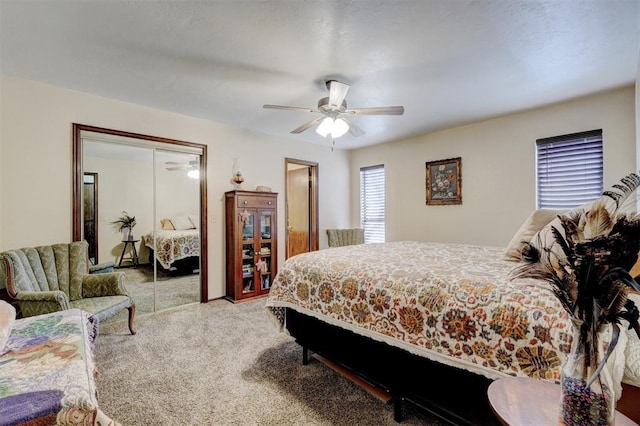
[[171, 289], [225, 364]]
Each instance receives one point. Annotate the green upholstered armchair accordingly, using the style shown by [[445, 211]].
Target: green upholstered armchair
[[345, 237], [54, 278]]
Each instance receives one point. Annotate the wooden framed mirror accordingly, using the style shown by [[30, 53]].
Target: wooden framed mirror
[[159, 147]]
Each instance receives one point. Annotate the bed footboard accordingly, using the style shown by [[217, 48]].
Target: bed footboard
[[455, 396]]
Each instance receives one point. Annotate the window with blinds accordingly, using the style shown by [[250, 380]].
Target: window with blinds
[[372, 203], [569, 170]]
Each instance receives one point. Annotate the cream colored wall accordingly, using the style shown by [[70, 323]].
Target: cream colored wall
[[1, 145], [177, 194], [638, 112], [498, 170], [36, 164], [638, 103], [122, 186]]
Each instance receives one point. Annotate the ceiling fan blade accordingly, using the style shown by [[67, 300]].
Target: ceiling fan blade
[[389, 110], [353, 129], [337, 93], [177, 168], [172, 163], [289, 108], [306, 125]]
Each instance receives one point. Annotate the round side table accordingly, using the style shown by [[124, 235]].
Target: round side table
[[523, 401]]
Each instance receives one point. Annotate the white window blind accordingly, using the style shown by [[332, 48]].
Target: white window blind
[[569, 170], [372, 203]]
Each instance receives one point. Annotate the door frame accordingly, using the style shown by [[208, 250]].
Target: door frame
[[95, 213], [313, 205]]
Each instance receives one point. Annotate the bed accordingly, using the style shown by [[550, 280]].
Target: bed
[[48, 370], [432, 313], [169, 246]]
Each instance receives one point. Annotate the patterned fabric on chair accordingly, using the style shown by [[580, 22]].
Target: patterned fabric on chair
[[54, 278], [345, 237]]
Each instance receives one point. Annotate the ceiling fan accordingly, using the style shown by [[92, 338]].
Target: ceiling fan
[[191, 165], [192, 168], [334, 119]]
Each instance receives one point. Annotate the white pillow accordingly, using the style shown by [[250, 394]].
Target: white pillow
[[181, 222], [544, 238], [536, 221], [166, 225], [7, 318], [195, 220]]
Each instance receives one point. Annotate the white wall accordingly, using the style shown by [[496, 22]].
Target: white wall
[[123, 185], [638, 110], [177, 194], [35, 169], [1, 150], [638, 103], [498, 170]]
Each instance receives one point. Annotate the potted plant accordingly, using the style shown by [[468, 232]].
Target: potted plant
[[125, 223]]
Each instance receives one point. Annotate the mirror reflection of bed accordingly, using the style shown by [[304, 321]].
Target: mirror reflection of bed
[[159, 187], [174, 247]]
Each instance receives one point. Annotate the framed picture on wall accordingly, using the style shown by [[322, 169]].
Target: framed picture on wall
[[444, 181]]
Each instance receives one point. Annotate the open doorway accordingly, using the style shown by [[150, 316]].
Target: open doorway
[[301, 201], [90, 210]]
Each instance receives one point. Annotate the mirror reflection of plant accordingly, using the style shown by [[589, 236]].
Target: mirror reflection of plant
[[125, 222]]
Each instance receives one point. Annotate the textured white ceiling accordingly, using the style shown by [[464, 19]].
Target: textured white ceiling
[[448, 62]]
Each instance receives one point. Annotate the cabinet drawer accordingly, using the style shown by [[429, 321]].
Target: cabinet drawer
[[252, 201]]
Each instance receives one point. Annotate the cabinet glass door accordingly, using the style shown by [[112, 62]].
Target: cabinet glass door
[[248, 252], [264, 263]]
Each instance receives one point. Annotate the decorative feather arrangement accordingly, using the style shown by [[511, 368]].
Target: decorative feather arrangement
[[586, 260]]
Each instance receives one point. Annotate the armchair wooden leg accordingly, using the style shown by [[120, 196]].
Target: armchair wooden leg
[[132, 312]]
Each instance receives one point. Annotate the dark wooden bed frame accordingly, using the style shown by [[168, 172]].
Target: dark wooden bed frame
[[191, 263], [456, 396]]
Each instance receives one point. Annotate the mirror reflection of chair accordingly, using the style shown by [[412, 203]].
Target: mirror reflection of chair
[[345, 237], [159, 185], [55, 278]]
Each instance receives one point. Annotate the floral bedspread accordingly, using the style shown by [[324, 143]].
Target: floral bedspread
[[447, 302], [47, 371], [170, 246]]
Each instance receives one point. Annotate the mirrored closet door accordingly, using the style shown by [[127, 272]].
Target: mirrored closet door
[[160, 183], [174, 248]]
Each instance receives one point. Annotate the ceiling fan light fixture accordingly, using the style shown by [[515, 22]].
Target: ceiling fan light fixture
[[340, 127], [194, 174], [336, 128], [332, 108], [325, 127]]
